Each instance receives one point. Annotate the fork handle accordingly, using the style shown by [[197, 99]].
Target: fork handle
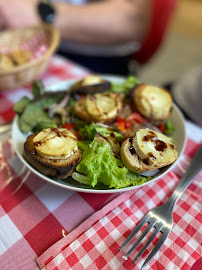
[[193, 169]]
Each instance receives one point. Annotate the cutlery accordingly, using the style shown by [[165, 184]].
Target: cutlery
[[162, 217]]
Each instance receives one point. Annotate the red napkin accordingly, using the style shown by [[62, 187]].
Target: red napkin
[[95, 243]]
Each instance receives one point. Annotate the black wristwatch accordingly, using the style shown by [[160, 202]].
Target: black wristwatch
[[46, 11]]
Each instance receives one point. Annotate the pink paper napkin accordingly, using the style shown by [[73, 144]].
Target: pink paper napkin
[[95, 243]]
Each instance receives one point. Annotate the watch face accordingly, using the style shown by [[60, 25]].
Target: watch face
[[46, 12]]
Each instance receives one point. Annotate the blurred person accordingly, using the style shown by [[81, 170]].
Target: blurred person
[[102, 35]]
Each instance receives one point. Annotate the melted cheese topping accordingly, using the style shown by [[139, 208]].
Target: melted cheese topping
[[154, 102], [55, 143], [153, 147], [91, 80], [102, 106]]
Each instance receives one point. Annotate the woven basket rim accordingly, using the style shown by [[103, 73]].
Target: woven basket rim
[[45, 56]]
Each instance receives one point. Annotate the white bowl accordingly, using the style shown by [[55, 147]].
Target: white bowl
[[179, 137]]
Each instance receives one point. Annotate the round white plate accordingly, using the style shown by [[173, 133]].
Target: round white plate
[[179, 137]]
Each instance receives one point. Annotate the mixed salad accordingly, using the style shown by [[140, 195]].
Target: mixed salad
[[100, 129]]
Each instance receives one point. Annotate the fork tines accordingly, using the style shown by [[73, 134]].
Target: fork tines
[[153, 222]]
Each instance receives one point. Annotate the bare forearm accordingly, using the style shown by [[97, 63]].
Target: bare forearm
[[105, 22]]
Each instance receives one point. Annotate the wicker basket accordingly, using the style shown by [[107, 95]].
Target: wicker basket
[[24, 74]]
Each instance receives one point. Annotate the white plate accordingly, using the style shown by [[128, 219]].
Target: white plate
[[179, 137]]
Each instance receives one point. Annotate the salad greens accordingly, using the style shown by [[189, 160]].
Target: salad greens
[[169, 127], [32, 112], [98, 165], [37, 88], [125, 87], [101, 162], [21, 105], [89, 131]]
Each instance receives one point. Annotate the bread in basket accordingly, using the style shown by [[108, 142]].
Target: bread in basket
[[30, 49]]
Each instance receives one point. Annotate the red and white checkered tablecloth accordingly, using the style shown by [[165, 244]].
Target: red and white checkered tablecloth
[[43, 226]]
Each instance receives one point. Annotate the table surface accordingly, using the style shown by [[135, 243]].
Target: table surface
[[39, 214]]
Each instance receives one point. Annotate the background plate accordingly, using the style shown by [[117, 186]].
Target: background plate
[[179, 137]]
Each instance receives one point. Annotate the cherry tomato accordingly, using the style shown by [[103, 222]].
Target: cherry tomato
[[136, 117], [68, 126], [162, 127], [121, 124]]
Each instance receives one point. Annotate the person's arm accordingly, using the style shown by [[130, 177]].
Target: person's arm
[[19, 13], [104, 22]]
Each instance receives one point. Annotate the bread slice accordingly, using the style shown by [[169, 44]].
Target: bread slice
[[20, 56], [137, 160], [56, 168], [6, 62]]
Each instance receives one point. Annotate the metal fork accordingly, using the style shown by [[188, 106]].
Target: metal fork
[[162, 217]]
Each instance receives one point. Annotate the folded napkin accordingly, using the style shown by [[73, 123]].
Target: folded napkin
[[95, 243]]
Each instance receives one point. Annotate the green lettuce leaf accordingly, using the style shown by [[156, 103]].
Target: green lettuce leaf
[[88, 132], [37, 88], [82, 145], [98, 165], [132, 179], [125, 87]]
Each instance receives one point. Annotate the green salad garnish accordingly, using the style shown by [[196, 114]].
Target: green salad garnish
[[99, 165]]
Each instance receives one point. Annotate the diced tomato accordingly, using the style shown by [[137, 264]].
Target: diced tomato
[[162, 127], [128, 124], [136, 117], [121, 124], [68, 125], [131, 120]]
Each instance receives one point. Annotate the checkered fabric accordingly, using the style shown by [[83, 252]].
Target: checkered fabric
[[37, 45], [36, 214], [95, 244], [43, 226]]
